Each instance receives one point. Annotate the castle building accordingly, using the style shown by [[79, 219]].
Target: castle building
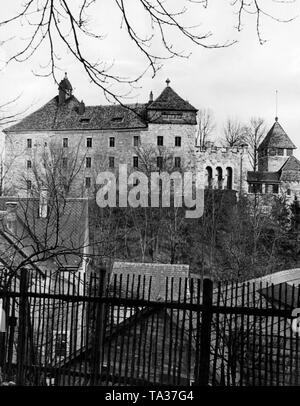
[[278, 169], [80, 141]]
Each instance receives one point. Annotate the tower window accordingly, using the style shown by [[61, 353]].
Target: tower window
[[65, 162], [135, 162], [111, 162], [65, 142], [280, 151], [111, 142], [177, 141], [29, 143], [87, 182], [88, 162], [29, 184], [89, 142], [160, 140], [29, 164]]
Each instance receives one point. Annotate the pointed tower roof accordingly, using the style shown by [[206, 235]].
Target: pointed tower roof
[[277, 138], [170, 100]]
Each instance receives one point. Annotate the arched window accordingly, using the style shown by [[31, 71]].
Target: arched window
[[229, 178], [209, 177], [219, 176]]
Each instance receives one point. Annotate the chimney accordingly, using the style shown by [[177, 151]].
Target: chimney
[[11, 216], [81, 108], [151, 97], [43, 204]]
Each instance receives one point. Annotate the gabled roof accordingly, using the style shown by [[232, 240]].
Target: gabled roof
[[170, 100], [66, 117], [290, 171], [61, 234], [276, 138], [153, 278]]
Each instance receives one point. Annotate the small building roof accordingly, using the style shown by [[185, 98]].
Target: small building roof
[[153, 279], [62, 233], [276, 138], [290, 171], [266, 177]]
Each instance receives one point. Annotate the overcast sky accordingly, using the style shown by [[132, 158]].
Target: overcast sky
[[239, 81]]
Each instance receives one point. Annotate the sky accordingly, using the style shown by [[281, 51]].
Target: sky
[[239, 81]]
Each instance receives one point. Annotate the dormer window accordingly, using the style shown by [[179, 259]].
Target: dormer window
[[117, 119], [289, 151]]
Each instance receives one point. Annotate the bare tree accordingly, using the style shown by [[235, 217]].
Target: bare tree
[[206, 126], [58, 25], [254, 133], [233, 132]]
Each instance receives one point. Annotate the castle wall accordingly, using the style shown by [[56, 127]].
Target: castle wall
[[234, 158], [17, 154]]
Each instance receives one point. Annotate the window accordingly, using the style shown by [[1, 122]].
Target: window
[[229, 178], [288, 192], [289, 151], [177, 141], [177, 162], [89, 142], [88, 162], [29, 184], [87, 183], [111, 142], [172, 116], [136, 141], [135, 162], [29, 164], [255, 188], [219, 177], [85, 120], [111, 162], [159, 162], [272, 151], [65, 142], [117, 119], [280, 151], [29, 143], [65, 162], [275, 189], [209, 176], [160, 140]]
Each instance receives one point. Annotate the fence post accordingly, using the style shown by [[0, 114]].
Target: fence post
[[21, 351], [99, 332], [202, 374]]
